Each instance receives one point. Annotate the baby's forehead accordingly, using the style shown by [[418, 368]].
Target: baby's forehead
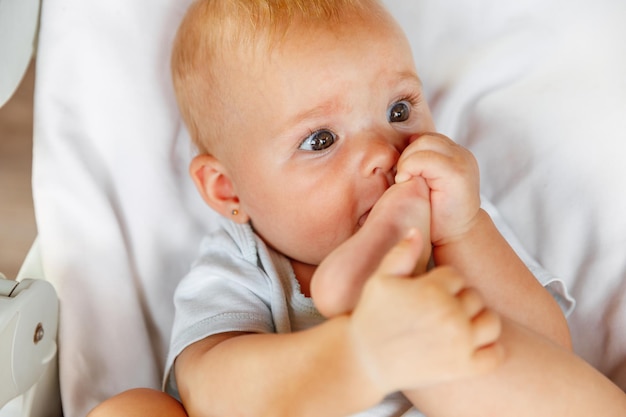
[[237, 48], [309, 41], [311, 38]]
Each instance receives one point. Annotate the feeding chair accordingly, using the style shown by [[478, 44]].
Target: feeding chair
[[535, 88]]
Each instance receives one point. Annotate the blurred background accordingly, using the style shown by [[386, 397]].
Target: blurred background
[[17, 219]]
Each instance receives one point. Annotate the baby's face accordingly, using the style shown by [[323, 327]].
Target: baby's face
[[317, 128]]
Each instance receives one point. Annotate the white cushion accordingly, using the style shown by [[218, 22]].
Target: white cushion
[[537, 90]]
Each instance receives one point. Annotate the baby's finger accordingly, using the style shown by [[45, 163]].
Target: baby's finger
[[432, 141], [433, 155], [433, 165], [401, 259]]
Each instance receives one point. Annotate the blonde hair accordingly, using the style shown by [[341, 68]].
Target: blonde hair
[[213, 30]]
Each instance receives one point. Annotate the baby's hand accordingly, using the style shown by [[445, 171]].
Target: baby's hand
[[451, 173], [413, 332], [339, 279]]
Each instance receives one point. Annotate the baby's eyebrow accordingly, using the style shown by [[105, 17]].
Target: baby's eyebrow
[[325, 107], [333, 105], [410, 76]]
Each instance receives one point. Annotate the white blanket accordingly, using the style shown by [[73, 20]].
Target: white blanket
[[534, 88]]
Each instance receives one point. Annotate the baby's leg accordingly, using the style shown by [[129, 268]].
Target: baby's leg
[[338, 280], [139, 402], [537, 378]]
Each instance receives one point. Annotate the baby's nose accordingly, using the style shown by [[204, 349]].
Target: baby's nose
[[390, 176], [380, 157]]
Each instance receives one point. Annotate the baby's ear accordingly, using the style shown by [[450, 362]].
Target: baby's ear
[[215, 187]]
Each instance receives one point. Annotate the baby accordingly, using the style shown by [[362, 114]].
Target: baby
[[318, 149]]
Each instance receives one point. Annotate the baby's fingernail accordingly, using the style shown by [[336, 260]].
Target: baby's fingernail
[[402, 177]]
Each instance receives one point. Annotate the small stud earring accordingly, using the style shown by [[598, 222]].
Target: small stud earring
[[234, 212]]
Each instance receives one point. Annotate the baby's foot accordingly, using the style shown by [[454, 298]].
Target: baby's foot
[[338, 280]]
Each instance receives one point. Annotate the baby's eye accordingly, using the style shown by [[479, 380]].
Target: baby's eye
[[318, 141], [399, 112]]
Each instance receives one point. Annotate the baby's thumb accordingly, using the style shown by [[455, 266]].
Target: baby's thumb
[[402, 258]]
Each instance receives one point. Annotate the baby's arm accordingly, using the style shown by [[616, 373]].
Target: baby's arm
[[350, 362], [491, 265], [464, 236]]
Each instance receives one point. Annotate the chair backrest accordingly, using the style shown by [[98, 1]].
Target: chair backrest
[[17, 42]]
